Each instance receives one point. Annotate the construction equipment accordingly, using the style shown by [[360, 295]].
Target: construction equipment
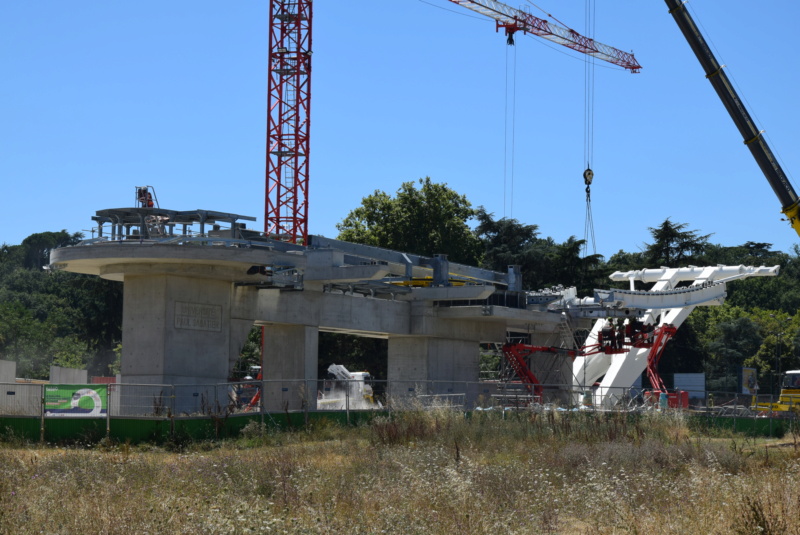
[[152, 223], [515, 355], [289, 99], [288, 120], [346, 389], [790, 205], [512, 20], [622, 341], [664, 306], [663, 334], [789, 400]]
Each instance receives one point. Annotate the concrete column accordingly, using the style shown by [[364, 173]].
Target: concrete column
[[289, 367], [422, 365], [175, 330]]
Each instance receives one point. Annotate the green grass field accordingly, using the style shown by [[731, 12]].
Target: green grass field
[[418, 472]]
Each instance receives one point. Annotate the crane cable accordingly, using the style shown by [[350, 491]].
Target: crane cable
[[513, 92], [588, 138]]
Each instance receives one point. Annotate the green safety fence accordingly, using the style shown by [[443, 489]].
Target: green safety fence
[[748, 425], [160, 429], [157, 430]]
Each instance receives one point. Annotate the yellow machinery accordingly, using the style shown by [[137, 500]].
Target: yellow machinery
[[790, 395]]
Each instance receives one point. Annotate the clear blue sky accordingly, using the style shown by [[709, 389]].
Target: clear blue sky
[[98, 97]]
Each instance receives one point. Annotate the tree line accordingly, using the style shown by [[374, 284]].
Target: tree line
[[54, 317]]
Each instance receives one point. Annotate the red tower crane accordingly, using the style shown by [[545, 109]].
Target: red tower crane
[[289, 98], [288, 120]]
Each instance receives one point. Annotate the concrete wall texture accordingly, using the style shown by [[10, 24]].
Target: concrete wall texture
[[8, 371], [68, 376]]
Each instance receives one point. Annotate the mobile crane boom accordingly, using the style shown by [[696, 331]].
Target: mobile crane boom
[[752, 135]]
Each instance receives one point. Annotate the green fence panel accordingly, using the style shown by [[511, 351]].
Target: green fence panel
[[20, 428], [88, 430], [764, 427], [159, 430], [135, 430]]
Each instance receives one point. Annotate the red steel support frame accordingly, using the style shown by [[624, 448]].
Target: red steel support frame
[[663, 335], [288, 120]]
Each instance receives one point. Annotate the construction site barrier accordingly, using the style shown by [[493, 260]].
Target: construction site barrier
[[137, 412]]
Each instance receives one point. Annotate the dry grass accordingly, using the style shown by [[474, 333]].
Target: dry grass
[[420, 472]]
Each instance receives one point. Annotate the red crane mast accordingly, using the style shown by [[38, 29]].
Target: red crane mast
[[288, 120]]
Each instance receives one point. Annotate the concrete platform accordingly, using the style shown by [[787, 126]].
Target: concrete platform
[[190, 301]]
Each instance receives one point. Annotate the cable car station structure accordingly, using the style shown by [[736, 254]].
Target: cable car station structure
[[191, 297]]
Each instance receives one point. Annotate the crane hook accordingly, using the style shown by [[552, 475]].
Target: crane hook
[[588, 175], [510, 36]]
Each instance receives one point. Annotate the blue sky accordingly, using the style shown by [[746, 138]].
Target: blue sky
[[99, 97]]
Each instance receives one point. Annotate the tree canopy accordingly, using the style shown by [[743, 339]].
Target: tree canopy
[[59, 318], [426, 221], [674, 246]]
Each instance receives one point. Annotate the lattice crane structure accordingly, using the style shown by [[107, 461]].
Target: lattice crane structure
[[288, 120], [289, 98], [513, 20]]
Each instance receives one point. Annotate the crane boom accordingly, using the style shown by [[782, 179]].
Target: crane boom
[[752, 135], [512, 20]]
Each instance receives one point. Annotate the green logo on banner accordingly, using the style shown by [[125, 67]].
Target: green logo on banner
[[75, 400]]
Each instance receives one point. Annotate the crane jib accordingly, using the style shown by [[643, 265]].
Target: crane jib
[[513, 20]]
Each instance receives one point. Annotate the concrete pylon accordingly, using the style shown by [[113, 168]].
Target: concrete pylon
[[289, 367], [424, 365], [176, 329]]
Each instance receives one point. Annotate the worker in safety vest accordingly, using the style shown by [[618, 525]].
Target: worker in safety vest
[[145, 198]]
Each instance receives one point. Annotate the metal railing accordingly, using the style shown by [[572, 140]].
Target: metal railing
[[170, 401]]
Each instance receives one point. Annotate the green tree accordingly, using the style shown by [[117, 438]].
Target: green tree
[[779, 350], [624, 261], [36, 247], [70, 352], [543, 262], [569, 268], [426, 221], [25, 340], [66, 318], [738, 341], [674, 246], [508, 242], [684, 353], [250, 354], [116, 366]]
